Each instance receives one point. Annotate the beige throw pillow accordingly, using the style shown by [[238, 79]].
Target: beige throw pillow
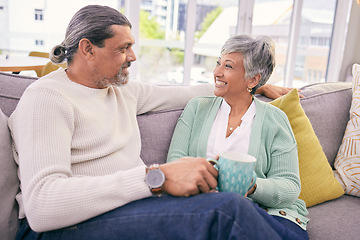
[[347, 162]]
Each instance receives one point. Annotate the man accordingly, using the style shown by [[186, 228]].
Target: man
[[78, 150]]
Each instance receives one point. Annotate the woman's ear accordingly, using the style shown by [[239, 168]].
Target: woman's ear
[[255, 80], [86, 48]]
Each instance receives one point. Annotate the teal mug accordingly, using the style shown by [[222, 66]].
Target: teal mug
[[236, 172]]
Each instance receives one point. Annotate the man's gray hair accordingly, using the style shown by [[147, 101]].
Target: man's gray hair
[[258, 55], [92, 22]]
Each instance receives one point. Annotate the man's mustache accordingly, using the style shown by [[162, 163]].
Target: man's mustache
[[127, 64]]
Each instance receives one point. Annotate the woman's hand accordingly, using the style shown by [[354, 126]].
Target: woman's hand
[[251, 191]]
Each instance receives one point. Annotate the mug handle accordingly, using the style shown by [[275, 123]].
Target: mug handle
[[213, 162], [253, 181]]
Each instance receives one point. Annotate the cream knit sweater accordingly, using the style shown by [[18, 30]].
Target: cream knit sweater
[[79, 148]]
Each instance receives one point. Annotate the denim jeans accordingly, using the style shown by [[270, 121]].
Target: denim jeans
[[205, 216]]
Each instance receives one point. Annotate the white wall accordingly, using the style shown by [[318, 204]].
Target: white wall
[[24, 29], [4, 26]]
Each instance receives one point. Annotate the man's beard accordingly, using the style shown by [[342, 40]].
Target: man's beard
[[119, 80]]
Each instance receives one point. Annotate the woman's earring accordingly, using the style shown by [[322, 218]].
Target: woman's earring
[[249, 90]]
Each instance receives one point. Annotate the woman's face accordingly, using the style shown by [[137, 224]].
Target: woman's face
[[229, 76]]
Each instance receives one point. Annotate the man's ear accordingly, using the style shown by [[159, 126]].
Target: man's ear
[[86, 48]]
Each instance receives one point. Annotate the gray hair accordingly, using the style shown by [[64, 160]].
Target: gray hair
[[92, 22], [258, 55]]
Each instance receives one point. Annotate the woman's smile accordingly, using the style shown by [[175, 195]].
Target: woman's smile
[[219, 83]]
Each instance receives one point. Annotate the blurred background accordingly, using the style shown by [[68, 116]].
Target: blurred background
[[179, 41]]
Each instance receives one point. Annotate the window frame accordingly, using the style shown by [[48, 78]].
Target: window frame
[[132, 9]]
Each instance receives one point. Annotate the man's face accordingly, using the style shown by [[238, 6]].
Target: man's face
[[112, 60]]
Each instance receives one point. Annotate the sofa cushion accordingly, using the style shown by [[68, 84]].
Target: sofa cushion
[[347, 162], [318, 183], [11, 88], [335, 219], [9, 184], [156, 131]]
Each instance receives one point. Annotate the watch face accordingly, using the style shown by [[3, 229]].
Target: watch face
[[155, 178]]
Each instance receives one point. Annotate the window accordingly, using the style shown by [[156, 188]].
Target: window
[[182, 51], [178, 41], [320, 41], [38, 14], [276, 25], [302, 31], [39, 42], [317, 23], [146, 2]]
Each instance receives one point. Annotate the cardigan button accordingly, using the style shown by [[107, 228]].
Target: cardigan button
[[282, 212], [298, 220]]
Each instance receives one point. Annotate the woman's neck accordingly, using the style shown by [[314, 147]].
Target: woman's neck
[[239, 106], [238, 110]]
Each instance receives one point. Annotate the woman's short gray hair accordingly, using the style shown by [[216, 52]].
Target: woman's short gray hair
[[258, 55], [92, 22]]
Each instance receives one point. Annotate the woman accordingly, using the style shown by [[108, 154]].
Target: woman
[[235, 120]]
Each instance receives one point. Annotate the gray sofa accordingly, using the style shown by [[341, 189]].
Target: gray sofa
[[326, 105]]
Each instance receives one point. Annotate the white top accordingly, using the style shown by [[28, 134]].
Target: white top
[[239, 139], [79, 147]]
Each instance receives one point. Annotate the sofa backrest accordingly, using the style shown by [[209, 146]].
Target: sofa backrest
[[12, 87], [156, 130], [327, 106]]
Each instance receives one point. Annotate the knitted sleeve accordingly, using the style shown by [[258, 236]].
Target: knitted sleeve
[[278, 183], [151, 97]]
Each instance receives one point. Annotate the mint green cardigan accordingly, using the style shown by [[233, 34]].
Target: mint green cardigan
[[272, 143]]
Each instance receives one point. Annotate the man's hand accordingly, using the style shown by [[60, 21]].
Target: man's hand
[[189, 176], [273, 91]]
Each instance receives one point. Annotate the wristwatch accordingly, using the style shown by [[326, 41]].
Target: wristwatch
[[154, 178]]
